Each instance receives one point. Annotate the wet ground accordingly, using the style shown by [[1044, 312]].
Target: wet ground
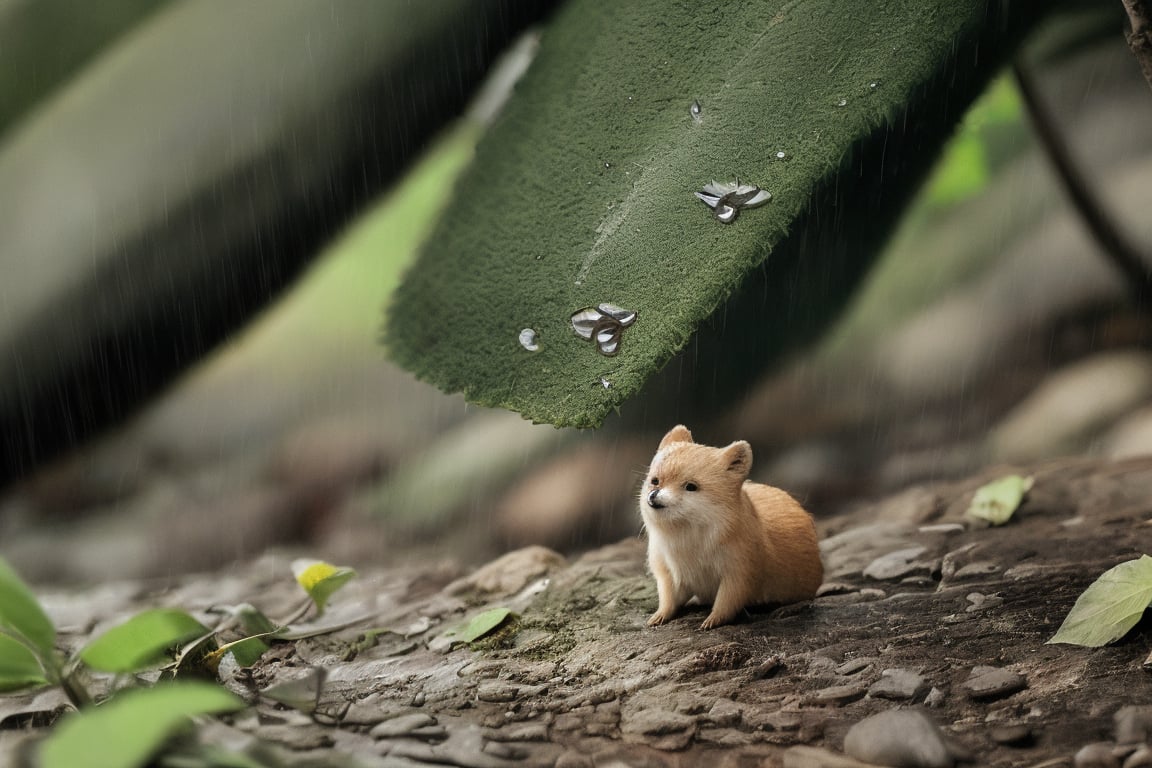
[[920, 609]]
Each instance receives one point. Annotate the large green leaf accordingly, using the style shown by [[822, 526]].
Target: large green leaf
[[1110, 606], [583, 191], [141, 641], [19, 667], [131, 728], [22, 616]]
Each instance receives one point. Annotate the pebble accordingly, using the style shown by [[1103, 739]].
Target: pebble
[[979, 601], [659, 729], [902, 738], [403, 725], [852, 666], [767, 668], [815, 757], [898, 685], [852, 598], [1133, 724], [935, 698], [1013, 735], [1141, 758], [838, 694], [990, 683], [1098, 755], [978, 568], [896, 564], [942, 528], [725, 713]]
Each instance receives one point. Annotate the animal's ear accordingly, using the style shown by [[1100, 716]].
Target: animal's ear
[[678, 434], [738, 458]]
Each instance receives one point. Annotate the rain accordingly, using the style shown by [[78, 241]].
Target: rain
[[854, 476]]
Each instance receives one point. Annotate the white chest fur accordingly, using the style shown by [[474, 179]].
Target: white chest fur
[[695, 563]]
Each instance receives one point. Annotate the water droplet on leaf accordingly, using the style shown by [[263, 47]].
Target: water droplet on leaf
[[529, 340], [728, 199]]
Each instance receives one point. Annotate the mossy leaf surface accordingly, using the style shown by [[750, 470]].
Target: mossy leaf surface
[[583, 191]]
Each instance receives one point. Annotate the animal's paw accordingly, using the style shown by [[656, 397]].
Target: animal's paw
[[658, 618], [714, 621]]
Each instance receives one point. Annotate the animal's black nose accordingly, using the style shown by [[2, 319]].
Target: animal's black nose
[[653, 501]]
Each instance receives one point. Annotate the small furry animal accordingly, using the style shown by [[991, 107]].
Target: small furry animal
[[717, 536]]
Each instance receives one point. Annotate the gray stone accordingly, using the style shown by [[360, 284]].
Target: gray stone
[[978, 568], [990, 683], [725, 713], [1073, 403], [980, 602], [767, 668], [895, 565], [1013, 735], [815, 757], [1141, 758], [901, 738], [899, 685], [838, 694], [404, 725], [1133, 724], [658, 728], [1098, 755], [852, 666]]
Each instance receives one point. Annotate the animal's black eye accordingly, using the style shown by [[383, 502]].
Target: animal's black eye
[[691, 487], [655, 481]]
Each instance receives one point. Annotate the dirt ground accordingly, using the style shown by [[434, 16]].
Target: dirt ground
[[919, 609]]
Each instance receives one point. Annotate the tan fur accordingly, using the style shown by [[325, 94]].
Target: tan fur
[[730, 542]]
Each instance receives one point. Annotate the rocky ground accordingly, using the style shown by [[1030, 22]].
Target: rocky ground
[[922, 614]]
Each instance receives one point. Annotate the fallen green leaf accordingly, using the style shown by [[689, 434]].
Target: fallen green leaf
[[22, 616], [253, 621], [1110, 606], [142, 641], [128, 730], [320, 579], [997, 501], [480, 625], [246, 652], [19, 667]]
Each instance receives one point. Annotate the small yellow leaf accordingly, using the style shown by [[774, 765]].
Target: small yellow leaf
[[320, 579]]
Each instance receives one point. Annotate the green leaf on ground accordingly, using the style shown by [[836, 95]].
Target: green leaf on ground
[[582, 192], [997, 501], [320, 579], [480, 625], [129, 729], [1110, 606], [142, 641], [22, 616], [246, 652], [19, 667]]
